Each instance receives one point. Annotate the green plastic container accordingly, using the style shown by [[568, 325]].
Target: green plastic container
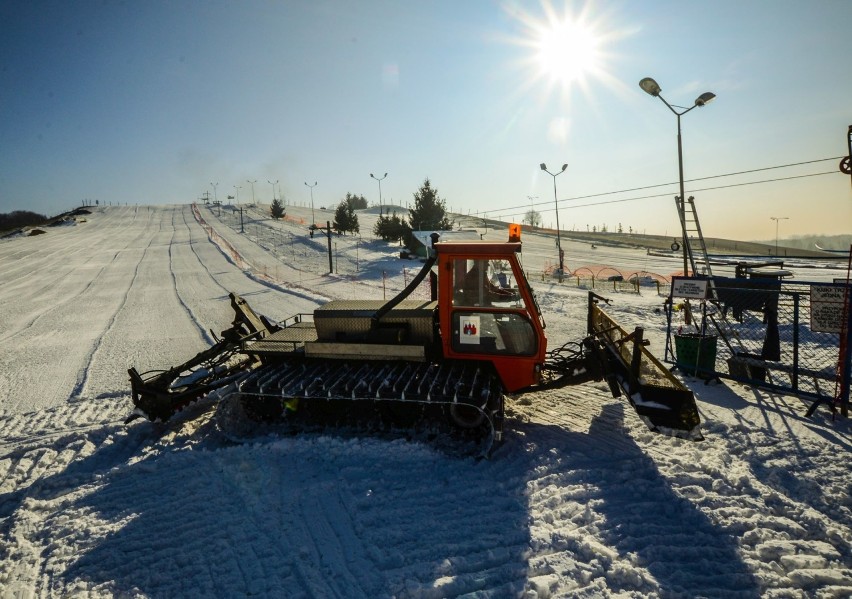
[[695, 351]]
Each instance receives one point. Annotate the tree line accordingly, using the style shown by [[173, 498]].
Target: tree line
[[428, 214], [20, 218]]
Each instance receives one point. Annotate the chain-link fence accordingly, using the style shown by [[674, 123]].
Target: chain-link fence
[[769, 332]]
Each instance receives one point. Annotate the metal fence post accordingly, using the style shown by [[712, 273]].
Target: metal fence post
[[795, 376]]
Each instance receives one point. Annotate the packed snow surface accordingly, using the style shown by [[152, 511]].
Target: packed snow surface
[[581, 500]]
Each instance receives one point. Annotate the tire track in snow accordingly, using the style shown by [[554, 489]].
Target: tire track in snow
[[334, 543], [574, 409], [41, 482], [65, 251], [26, 259], [67, 418], [201, 263], [69, 299], [91, 295], [310, 529], [91, 285], [83, 373], [189, 312]]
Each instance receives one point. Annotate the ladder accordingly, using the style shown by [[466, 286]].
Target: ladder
[[699, 262], [692, 236]]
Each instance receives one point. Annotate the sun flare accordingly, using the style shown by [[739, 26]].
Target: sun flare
[[567, 51]]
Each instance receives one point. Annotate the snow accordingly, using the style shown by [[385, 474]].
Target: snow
[[581, 500]]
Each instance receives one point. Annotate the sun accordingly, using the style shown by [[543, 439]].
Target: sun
[[567, 51]]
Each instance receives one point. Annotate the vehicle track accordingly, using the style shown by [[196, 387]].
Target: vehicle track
[[190, 312], [49, 288], [92, 356], [46, 260], [47, 476]]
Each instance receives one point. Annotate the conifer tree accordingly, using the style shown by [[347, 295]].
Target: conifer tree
[[429, 213], [277, 209]]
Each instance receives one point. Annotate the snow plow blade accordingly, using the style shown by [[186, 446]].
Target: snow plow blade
[[159, 394], [661, 400]]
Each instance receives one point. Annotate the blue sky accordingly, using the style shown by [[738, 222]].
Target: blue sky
[[151, 102]]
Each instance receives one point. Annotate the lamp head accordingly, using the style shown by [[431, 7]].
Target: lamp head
[[564, 166], [543, 166], [650, 86], [704, 98]]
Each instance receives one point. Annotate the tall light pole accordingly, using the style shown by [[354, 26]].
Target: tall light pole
[[252, 189], [237, 187], [379, 179], [651, 87], [273, 188], [556, 203], [776, 219], [215, 197], [313, 218]]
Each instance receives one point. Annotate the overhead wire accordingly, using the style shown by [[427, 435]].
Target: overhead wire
[[616, 192]]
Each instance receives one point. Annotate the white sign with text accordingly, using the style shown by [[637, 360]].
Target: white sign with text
[[689, 288], [827, 308]]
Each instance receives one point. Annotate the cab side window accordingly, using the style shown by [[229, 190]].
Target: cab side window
[[475, 283]]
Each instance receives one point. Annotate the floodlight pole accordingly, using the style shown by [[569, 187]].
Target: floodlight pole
[[273, 188], [776, 219], [252, 189], [215, 185], [313, 218], [651, 87], [379, 179], [543, 167]]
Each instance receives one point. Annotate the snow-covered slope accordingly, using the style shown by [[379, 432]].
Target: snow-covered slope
[[580, 501]]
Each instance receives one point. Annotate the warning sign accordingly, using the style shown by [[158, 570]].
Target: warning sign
[[690, 288], [827, 308]]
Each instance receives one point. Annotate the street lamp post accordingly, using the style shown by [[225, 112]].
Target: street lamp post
[[273, 188], [215, 197], [237, 187], [652, 88], [556, 204], [252, 189], [379, 179], [776, 219], [313, 218]]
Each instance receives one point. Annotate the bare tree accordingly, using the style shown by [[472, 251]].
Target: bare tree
[[533, 218]]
